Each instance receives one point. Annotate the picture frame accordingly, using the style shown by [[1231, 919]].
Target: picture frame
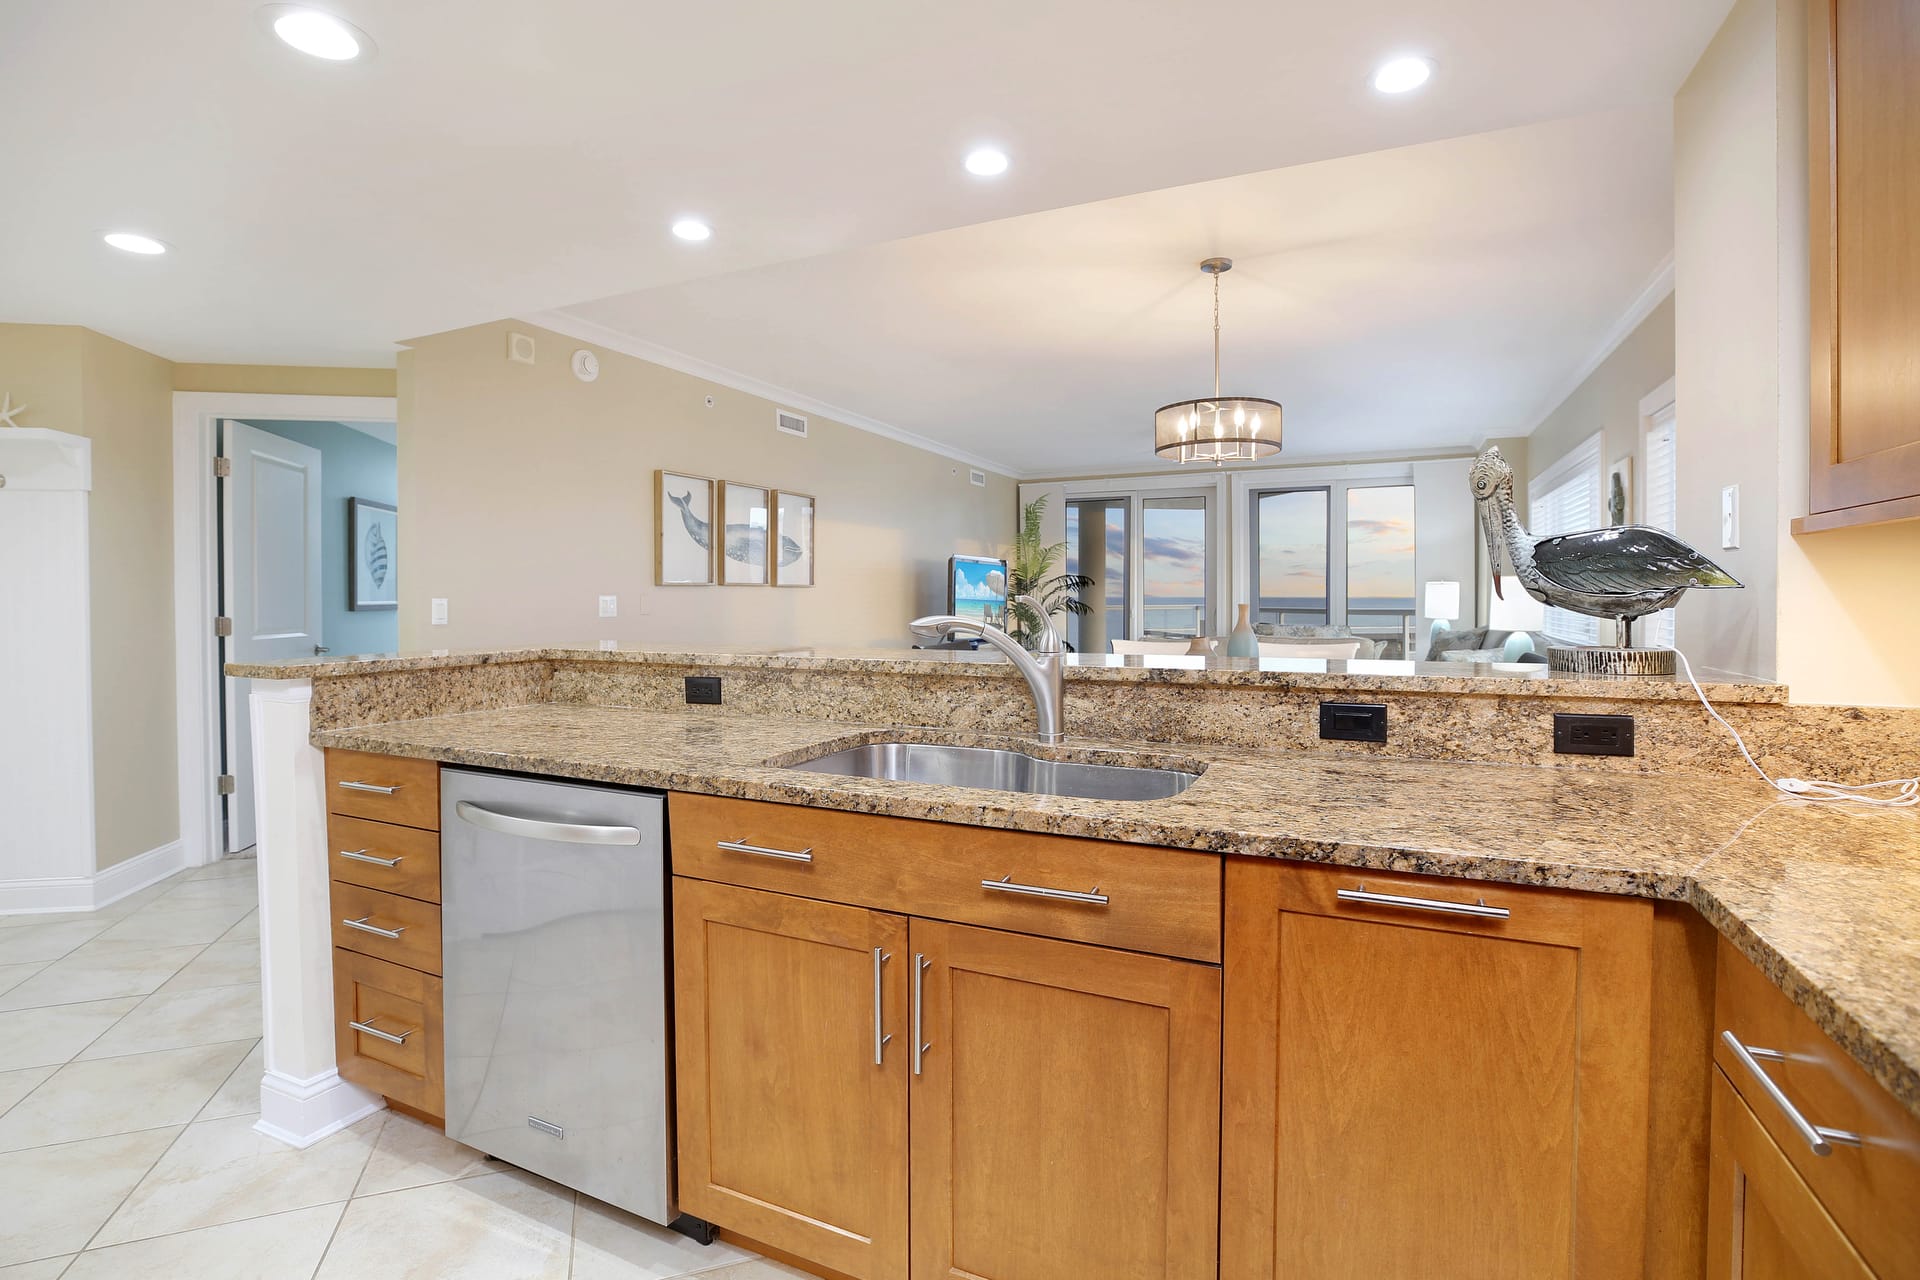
[[1617, 500], [793, 524], [683, 542], [373, 577], [745, 523]]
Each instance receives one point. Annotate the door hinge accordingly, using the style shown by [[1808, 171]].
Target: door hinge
[[222, 468], [223, 626], [224, 784]]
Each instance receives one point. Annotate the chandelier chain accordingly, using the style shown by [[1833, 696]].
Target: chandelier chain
[[1216, 336]]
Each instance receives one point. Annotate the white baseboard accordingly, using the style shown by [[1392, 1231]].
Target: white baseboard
[[301, 1112], [85, 893]]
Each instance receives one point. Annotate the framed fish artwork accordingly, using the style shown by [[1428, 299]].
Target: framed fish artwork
[[793, 535], [683, 542], [747, 520], [374, 583]]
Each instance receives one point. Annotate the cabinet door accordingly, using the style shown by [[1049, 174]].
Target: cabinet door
[[1865, 165], [1410, 1091], [789, 1131], [1066, 1114], [1763, 1222]]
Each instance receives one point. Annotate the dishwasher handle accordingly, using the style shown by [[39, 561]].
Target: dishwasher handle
[[536, 829]]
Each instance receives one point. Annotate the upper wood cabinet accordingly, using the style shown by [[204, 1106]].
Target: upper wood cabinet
[[1430, 1077], [1864, 126]]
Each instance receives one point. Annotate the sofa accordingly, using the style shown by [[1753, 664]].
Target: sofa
[[1299, 633], [1487, 644]]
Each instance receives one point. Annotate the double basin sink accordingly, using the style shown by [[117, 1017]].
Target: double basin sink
[[995, 769]]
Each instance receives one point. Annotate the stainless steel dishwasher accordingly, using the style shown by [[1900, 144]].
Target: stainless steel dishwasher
[[555, 937]]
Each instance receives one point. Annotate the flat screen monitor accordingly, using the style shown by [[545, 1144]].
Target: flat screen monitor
[[977, 589]]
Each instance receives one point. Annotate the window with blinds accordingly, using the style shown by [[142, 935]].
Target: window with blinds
[[1565, 498], [1662, 499]]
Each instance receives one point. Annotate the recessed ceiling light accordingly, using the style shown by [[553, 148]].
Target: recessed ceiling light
[[986, 162], [319, 35], [134, 242], [692, 229], [1398, 75]]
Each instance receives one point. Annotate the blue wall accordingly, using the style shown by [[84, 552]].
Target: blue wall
[[352, 465]]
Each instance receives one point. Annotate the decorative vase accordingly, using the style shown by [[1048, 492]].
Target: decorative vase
[[1241, 644], [1200, 647]]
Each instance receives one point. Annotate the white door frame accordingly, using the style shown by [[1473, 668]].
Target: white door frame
[[196, 576]]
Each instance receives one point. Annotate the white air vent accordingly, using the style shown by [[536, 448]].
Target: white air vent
[[977, 477], [790, 422], [520, 348]]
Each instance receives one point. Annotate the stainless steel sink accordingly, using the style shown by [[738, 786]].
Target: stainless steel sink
[[996, 770]]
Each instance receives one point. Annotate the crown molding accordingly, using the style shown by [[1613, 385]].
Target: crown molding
[[572, 326], [1658, 288]]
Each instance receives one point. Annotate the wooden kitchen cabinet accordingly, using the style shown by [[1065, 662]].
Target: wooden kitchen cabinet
[[1864, 129], [1065, 1111], [1764, 1223], [790, 1131], [1411, 1091]]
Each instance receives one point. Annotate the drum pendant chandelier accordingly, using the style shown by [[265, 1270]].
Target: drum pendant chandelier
[[1217, 429]]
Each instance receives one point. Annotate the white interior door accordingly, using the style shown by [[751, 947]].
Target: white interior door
[[270, 579]]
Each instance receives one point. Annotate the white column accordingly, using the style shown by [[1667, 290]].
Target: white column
[[46, 673], [302, 1097]]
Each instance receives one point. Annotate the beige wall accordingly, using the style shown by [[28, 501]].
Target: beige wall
[[525, 494], [73, 379], [283, 380], [129, 416], [1609, 400]]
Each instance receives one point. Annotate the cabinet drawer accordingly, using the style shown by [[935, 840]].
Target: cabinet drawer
[[395, 1049], [1868, 1189], [379, 855], [374, 915], [384, 788], [1136, 897]]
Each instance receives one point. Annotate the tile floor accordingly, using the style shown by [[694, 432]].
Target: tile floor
[[129, 1086]]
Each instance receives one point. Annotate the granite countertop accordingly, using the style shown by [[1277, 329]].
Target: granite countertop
[[1492, 678], [1826, 902]]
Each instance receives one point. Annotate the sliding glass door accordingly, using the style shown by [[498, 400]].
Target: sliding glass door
[[1151, 557], [1290, 566], [1339, 555]]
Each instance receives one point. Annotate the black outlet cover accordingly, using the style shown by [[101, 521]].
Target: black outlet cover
[[1592, 735], [1353, 721], [703, 691]]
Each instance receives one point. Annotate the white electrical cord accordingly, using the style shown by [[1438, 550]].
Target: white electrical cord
[[1906, 790]]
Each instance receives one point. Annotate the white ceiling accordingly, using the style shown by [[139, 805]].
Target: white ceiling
[[1402, 301], [498, 157]]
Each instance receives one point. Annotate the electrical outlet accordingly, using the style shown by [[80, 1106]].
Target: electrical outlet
[[1353, 721], [439, 611], [609, 606], [1592, 735], [1730, 518], [703, 691]]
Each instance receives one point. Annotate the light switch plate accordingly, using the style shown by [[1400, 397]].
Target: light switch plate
[[439, 612], [1730, 518], [609, 606]]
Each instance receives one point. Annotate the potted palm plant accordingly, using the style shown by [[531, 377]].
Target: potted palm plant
[[1030, 572]]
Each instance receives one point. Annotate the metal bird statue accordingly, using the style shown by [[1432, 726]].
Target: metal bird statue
[[1625, 572]]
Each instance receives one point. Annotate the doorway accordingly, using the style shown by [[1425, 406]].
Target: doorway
[[266, 490]]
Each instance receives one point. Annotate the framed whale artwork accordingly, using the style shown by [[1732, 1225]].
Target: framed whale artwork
[[746, 513], [683, 542]]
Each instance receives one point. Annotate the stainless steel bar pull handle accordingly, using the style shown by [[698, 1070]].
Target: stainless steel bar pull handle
[[1477, 908], [391, 1037], [1816, 1136], [920, 966], [880, 1037], [362, 925], [1005, 884], [508, 824], [361, 855], [760, 850], [374, 787]]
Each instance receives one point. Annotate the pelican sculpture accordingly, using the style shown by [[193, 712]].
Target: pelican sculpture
[[1625, 572]]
